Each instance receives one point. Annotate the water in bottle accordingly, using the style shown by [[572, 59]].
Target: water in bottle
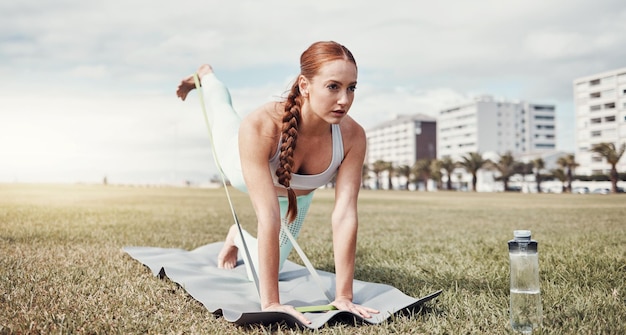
[[526, 311]]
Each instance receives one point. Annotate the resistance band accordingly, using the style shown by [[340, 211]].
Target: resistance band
[[223, 177]]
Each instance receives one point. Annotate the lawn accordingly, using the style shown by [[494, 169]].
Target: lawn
[[62, 269]]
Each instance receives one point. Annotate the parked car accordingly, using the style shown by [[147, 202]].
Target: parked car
[[581, 190], [605, 190], [601, 191]]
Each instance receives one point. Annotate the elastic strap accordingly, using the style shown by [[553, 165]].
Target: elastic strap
[[306, 261], [223, 177]]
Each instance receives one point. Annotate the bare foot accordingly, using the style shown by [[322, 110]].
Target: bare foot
[[188, 83], [227, 258]]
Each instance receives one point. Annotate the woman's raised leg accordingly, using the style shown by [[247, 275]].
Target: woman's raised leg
[[223, 122]]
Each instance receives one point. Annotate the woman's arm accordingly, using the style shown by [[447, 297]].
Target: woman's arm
[[345, 218], [258, 138], [257, 141]]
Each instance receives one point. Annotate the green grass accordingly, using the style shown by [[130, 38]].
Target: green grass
[[62, 269]]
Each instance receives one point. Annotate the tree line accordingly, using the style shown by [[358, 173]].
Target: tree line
[[436, 169]]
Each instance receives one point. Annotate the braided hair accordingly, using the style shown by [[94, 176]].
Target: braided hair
[[311, 60]]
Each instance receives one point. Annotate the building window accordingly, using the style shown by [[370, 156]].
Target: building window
[[596, 133], [545, 126], [543, 108], [610, 118], [595, 108], [610, 105], [594, 82], [544, 117], [596, 120]]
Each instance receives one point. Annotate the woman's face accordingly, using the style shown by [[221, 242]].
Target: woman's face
[[330, 93]]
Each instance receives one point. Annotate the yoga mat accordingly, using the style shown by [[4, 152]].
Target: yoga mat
[[231, 294]]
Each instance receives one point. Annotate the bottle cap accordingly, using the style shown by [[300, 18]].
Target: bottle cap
[[522, 235]]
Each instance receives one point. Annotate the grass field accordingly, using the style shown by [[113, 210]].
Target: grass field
[[62, 269]]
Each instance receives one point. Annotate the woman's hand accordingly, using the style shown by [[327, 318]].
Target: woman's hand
[[348, 305], [289, 310]]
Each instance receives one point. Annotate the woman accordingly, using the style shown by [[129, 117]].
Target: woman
[[329, 144]]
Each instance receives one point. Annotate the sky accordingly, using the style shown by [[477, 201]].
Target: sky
[[87, 88]]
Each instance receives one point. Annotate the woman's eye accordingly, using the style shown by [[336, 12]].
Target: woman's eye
[[352, 88], [333, 86]]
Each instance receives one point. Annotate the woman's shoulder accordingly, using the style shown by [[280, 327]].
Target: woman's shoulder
[[353, 136], [266, 119], [351, 129]]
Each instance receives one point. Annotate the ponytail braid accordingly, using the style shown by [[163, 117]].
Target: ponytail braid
[[311, 61], [289, 135]]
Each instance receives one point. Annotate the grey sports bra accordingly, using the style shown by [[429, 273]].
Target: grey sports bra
[[313, 181]]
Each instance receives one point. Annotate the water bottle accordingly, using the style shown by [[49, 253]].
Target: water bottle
[[526, 311]]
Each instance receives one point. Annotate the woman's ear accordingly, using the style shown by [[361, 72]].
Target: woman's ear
[[303, 85]]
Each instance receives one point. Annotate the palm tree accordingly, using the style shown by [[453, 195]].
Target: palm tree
[[568, 162], [365, 175], [539, 164], [472, 162], [505, 166], [389, 170], [560, 175], [612, 156], [378, 167], [448, 165], [435, 172], [422, 168], [405, 171], [524, 169]]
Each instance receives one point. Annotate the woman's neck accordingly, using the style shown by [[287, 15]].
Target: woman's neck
[[311, 124]]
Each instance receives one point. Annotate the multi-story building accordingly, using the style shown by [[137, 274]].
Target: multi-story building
[[492, 128], [403, 140], [600, 101], [488, 125]]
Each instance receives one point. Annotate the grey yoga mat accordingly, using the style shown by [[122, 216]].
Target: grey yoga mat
[[231, 294]]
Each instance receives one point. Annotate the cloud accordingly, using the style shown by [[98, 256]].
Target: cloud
[[373, 105], [89, 86], [89, 72]]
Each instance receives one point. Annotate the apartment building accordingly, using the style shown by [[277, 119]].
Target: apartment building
[[496, 126], [403, 140], [600, 104]]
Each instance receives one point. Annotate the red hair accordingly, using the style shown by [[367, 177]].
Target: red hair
[[311, 61]]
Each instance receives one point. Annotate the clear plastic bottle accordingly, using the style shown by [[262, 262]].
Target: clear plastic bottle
[[526, 311]]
